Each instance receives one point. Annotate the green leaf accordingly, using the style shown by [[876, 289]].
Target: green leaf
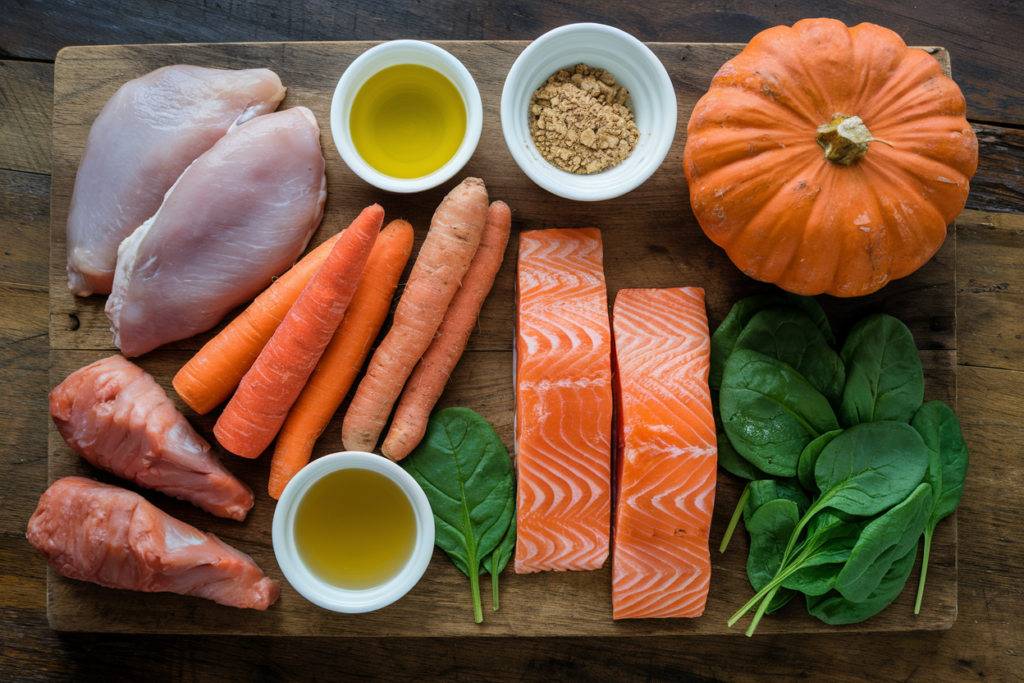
[[884, 379], [734, 463], [770, 412], [883, 541], [870, 467], [790, 336], [464, 469], [947, 470], [769, 528], [809, 458], [495, 563], [766, 490], [724, 338], [833, 608]]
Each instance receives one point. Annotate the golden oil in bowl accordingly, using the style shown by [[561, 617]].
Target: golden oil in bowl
[[355, 529], [407, 121]]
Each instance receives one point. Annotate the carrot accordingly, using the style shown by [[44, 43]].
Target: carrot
[[343, 357], [256, 412], [445, 256], [433, 371], [208, 379]]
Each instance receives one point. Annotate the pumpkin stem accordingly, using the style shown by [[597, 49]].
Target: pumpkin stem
[[845, 139]]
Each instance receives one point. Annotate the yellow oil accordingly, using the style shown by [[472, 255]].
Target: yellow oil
[[407, 121], [355, 529]]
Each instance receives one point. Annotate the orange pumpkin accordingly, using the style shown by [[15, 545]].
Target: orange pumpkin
[[829, 159]]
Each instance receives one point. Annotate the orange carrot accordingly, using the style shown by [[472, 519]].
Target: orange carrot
[[256, 412], [343, 357], [451, 243], [208, 379], [427, 382]]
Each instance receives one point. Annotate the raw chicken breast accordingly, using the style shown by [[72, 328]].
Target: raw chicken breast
[[237, 217], [667, 454], [564, 402], [117, 417], [142, 140], [104, 534]]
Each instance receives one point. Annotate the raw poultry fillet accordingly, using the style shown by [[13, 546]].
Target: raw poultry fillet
[[117, 417], [666, 456], [144, 137], [104, 534], [563, 402], [237, 217]]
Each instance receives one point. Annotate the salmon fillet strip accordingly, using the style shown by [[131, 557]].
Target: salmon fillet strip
[[667, 454], [564, 402]]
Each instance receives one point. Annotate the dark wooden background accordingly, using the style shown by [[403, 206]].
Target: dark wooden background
[[987, 640]]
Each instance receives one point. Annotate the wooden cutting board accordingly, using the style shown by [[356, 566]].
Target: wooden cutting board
[[651, 240]]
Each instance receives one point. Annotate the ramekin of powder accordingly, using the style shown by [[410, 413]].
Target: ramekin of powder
[[581, 121]]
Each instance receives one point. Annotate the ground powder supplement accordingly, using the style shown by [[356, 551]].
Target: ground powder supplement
[[581, 122]]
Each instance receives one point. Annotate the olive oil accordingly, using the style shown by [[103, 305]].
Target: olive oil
[[355, 529], [407, 121]]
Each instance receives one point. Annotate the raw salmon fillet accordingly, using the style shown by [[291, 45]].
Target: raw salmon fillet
[[105, 534], [667, 454], [564, 402]]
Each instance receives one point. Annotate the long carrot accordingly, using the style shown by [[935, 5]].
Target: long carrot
[[427, 382], [343, 357], [208, 379], [451, 243], [256, 412]]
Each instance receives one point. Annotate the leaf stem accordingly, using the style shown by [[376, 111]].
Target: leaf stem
[[929, 530], [494, 581], [474, 584], [735, 518]]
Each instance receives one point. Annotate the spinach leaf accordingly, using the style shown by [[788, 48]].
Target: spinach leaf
[[833, 608], [870, 467], [724, 338], [883, 541], [770, 412], [947, 469], [884, 379], [809, 458], [734, 463], [790, 336], [495, 563], [467, 475], [766, 490], [769, 528]]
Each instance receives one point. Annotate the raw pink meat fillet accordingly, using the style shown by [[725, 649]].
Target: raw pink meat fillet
[[117, 417], [107, 535]]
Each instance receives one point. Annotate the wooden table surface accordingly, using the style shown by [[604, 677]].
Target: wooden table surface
[[987, 641]]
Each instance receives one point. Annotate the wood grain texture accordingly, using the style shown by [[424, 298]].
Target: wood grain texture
[[984, 35], [998, 185], [651, 240], [26, 100]]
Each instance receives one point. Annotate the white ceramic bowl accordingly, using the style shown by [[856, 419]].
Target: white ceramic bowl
[[634, 66], [392, 54], [324, 594]]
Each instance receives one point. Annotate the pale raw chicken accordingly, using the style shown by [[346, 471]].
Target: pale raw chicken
[[237, 217], [144, 137], [107, 535], [115, 415]]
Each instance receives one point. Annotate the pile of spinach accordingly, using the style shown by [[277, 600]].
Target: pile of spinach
[[846, 468], [464, 469]]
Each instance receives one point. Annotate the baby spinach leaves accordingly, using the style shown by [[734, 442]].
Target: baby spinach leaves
[[884, 379], [464, 469], [790, 336], [947, 469], [856, 500], [770, 412]]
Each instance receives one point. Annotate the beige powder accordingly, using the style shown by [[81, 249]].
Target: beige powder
[[581, 122]]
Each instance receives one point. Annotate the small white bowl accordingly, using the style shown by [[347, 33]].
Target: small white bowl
[[392, 54], [634, 66], [322, 593]]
